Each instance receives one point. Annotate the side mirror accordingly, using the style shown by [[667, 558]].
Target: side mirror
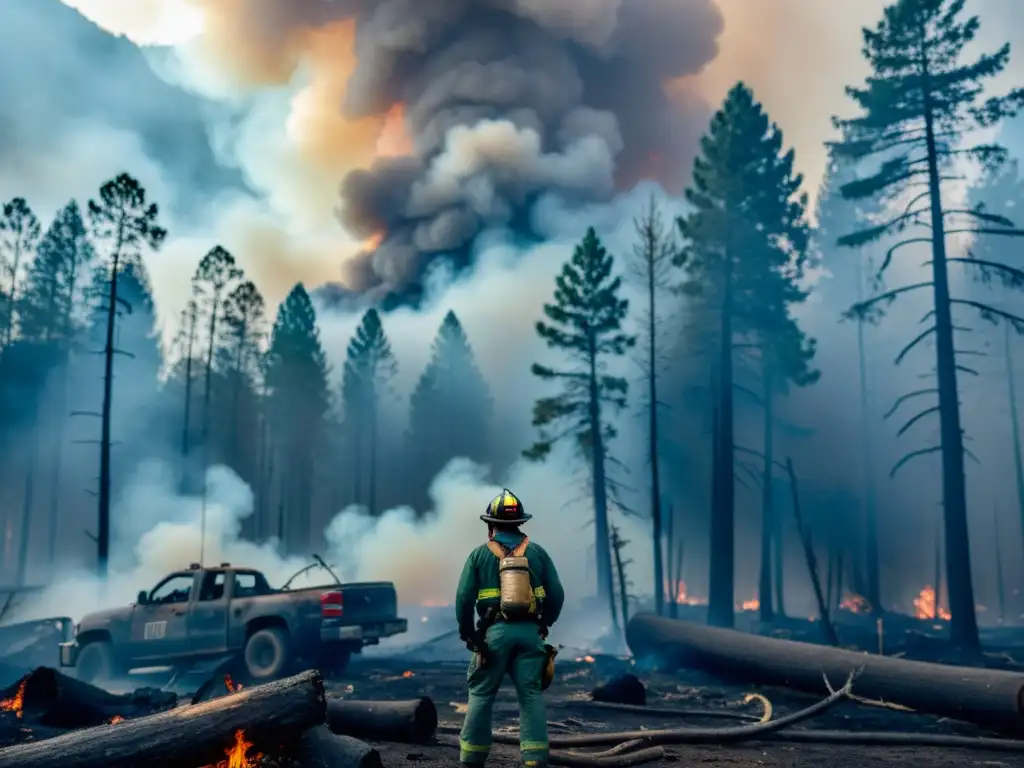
[[143, 597]]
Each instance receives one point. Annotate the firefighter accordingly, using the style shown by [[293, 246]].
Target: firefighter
[[511, 584]]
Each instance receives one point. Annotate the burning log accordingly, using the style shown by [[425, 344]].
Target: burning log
[[59, 701], [255, 720], [622, 689], [993, 699], [319, 748], [405, 722]]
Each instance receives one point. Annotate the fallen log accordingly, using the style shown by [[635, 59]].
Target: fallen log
[[320, 748], [56, 700], [405, 722], [990, 698], [268, 715]]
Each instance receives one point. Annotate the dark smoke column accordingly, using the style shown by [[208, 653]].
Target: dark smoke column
[[509, 103]]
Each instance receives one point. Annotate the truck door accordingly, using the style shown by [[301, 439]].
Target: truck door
[[208, 620], [160, 626]]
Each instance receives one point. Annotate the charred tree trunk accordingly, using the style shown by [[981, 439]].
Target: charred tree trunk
[[57, 467], [778, 553], [722, 559], [620, 571], [1011, 394], [938, 572], [371, 491], [186, 425], [812, 560], [764, 581], [652, 394], [872, 582], [963, 629], [103, 529], [1000, 583], [407, 722], [267, 715], [669, 545], [27, 501], [319, 748], [602, 553], [987, 697]]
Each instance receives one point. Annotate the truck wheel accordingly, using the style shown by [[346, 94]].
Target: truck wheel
[[334, 659], [95, 662], [268, 653]]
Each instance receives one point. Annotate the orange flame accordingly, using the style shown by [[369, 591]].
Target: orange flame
[[16, 703], [238, 754], [926, 608], [115, 720], [585, 659], [408, 674], [855, 603], [231, 685], [373, 243], [750, 605], [682, 598]]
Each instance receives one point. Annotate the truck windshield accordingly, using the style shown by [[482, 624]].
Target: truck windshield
[[175, 589]]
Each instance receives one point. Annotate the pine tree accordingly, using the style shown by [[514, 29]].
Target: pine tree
[[46, 312], [920, 100], [369, 367], [215, 275], [585, 323], [745, 248], [186, 342], [450, 411], [122, 224], [244, 328], [654, 254], [19, 235], [297, 403], [55, 278]]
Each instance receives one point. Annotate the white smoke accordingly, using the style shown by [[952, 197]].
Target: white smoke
[[159, 531]]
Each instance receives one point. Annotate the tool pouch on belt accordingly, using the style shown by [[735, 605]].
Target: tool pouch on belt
[[549, 667], [517, 599]]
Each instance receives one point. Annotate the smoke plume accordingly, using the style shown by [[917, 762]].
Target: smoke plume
[[459, 115]]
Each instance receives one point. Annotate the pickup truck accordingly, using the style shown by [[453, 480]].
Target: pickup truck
[[204, 613]]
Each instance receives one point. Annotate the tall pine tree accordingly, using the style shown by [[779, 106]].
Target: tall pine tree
[[297, 404], [369, 366], [123, 224], [215, 276], [922, 97], [745, 247], [585, 323], [450, 411]]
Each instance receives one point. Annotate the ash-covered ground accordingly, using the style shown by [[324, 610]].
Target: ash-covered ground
[[430, 661], [406, 677]]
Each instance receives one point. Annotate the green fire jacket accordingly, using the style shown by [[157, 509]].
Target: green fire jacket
[[479, 587]]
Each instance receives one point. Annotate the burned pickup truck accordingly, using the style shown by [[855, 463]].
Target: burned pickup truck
[[207, 613]]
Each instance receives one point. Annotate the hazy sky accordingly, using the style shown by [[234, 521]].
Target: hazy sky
[[797, 54]]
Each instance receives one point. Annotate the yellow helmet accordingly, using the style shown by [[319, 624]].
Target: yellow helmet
[[505, 508]]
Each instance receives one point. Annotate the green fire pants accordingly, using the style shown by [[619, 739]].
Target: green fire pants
[[516, 649]]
